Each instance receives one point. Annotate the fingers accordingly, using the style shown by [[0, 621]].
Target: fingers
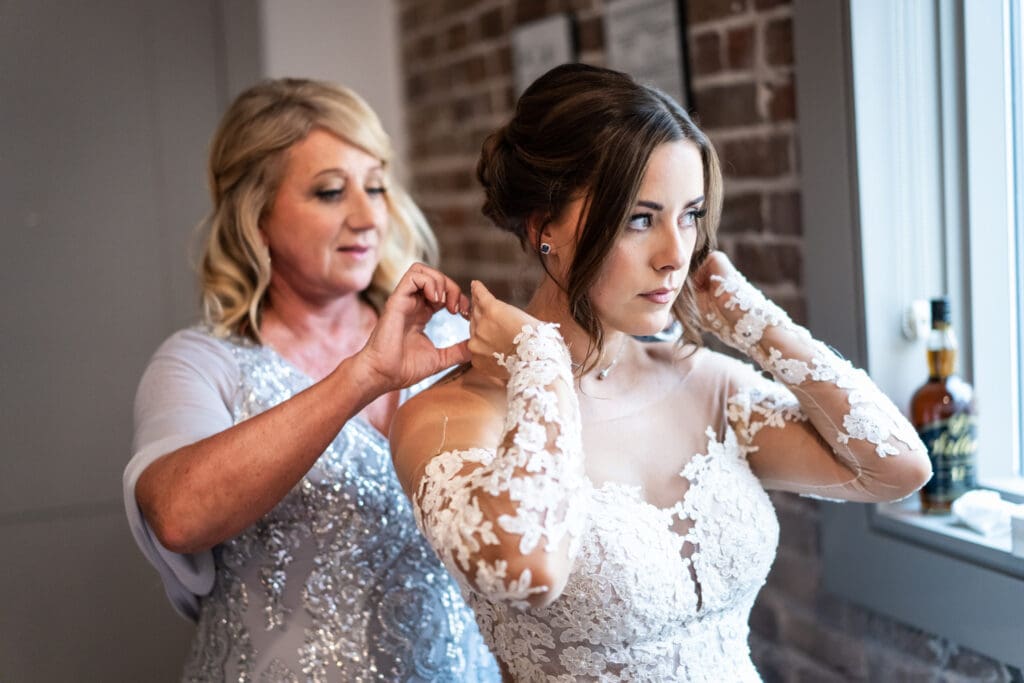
[[455, 301], [716, 264], [438, 290], [482, 298], [455, 354], [480, 291]]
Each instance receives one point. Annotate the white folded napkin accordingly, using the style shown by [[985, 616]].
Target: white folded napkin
[[986, 512]]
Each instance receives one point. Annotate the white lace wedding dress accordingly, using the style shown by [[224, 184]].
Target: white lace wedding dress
[[654, 593]]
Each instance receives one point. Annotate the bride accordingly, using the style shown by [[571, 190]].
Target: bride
[[601, 498]]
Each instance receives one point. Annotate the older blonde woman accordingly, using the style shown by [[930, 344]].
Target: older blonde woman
[[261, 486]]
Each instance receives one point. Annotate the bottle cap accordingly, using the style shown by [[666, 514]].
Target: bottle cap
[[940, 310]]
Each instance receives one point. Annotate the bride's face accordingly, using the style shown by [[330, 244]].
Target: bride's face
[[645, 269]]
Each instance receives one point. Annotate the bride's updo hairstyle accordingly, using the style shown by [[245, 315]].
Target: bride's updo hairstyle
[[584, 131]]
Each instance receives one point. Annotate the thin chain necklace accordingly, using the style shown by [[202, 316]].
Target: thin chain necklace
[[603, 373]]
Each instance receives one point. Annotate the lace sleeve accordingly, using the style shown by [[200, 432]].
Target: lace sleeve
[[844, 408], [500, 519]]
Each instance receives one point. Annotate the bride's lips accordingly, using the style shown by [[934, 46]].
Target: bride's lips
[[660, 296]]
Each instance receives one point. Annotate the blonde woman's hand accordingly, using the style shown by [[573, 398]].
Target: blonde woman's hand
[[493, 324], [398, 353]]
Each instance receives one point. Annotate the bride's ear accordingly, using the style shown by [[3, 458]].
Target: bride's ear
[[538, 236]]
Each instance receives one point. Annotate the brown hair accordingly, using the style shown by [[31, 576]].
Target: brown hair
[[581, 129], [245, 166]]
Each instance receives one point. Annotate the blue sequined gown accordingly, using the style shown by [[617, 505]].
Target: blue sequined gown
[[335, 583]]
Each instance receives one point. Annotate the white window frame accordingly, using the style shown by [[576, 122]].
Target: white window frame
[[991, 226], [884, 137]]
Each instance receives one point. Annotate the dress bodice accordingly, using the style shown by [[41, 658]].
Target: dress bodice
[[335, 583], [643, 601], [572, 581]]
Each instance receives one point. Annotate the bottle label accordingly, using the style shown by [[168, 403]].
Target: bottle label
[[952, 447]]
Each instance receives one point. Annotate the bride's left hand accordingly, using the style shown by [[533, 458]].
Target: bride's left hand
[[493, 325]]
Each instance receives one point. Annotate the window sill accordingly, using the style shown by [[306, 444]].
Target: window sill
[[946, 534], [929, 573]]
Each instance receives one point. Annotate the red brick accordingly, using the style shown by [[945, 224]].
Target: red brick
[[727, 106], [778, 42], [781, 102], [456, 6], [739, 48], [705, 53], [833, 611], [468, 142], [799, 504], [763, 620], [503, 288], [509, 103], [574, 5], [415, 87], [442, 78], [798, 533], [759, 157], [909, 641], [760, 5], [492, 23], [451, 217], [795, 306], [469, 107], [698, 11], [845, 656], [591, 34], [476, 69], [410, 18], [530, 10], [444, 181], [499, 62], [884, 665], [771, 661], [457, 36], [741, 214], [784, 213], [770, 263]]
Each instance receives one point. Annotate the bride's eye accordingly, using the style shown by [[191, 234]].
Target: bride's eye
[[640, 222], [690, 218]]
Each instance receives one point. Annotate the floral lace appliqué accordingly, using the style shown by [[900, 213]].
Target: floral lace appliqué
[[871, 416], [642, 602], [537, 472]]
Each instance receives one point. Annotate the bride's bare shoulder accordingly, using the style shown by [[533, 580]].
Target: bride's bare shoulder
[[459, 412]]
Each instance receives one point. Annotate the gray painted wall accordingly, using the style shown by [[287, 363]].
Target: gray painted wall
[[105, 113], [106, 110]]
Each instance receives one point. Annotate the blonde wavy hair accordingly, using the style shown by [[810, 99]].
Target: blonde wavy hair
[[246, 163]]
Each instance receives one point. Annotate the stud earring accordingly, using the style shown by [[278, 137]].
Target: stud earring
[[545, 248]]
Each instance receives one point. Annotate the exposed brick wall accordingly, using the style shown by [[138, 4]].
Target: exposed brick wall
[[458, 87]]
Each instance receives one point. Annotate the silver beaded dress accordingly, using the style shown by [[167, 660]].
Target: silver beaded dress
[[335, 583]]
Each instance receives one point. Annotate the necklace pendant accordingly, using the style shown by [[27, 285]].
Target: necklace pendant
[[604, 373]]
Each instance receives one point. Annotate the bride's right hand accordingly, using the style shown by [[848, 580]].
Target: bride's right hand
[[493, 325]]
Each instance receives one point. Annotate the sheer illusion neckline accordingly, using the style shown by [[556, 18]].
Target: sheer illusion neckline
[[687, 472]]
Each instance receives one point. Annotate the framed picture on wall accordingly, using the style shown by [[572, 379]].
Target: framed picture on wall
[[647, 39], [539, 46]]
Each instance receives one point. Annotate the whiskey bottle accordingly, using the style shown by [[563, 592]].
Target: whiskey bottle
[[942, 411]]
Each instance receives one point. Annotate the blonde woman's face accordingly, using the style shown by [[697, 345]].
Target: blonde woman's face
[[328, 221]]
